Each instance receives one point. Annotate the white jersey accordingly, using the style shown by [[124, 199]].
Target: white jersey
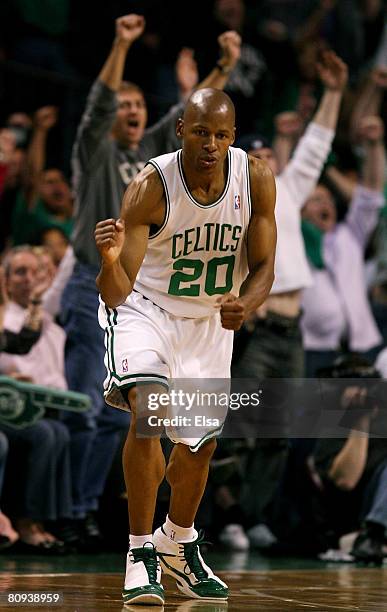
[[199, 253]]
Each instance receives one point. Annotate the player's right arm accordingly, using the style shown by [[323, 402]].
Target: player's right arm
[[122, 243]]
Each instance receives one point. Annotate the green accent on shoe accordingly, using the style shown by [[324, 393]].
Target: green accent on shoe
[[208, 589], [149, 589], [147, 554], [205, 587]]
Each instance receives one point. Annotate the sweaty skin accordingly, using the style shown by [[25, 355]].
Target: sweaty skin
[[207, 130]]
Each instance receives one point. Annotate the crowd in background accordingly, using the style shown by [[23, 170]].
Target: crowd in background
[[308, 79]]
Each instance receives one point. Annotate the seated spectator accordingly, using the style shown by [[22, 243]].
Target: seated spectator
[[354, 470], [45, 362], [47, 442], [56, 241], [46, 269], [18, 343], [336, 307]]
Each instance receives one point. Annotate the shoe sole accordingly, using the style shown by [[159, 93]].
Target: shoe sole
[[149, 599], [184, 588]]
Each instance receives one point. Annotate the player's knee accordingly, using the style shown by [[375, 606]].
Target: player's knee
[[132, 400], [208, 449], [205, 452], [144, 402]]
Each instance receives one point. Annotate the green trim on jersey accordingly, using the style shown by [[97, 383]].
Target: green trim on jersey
[[120, 379], [112, 320], [248, 186], [208, 436], [222, 195], [167, 201]]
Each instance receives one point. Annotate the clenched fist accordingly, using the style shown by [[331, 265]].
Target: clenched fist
[[109, 238], [333, 72], [187, 74], [46, 117], [230, 46], [232, 311], [129, 28]]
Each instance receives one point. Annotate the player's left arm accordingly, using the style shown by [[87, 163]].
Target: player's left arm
[[261, 243]]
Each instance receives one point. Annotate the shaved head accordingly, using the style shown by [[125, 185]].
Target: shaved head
[[206, 102], [207, 130]]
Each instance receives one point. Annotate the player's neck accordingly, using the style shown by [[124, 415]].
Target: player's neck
[[205, 185]]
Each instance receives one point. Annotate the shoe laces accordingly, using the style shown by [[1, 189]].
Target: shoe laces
[[147, 554], [190, 553]]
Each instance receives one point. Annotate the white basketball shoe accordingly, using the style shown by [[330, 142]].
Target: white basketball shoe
[[184, 562], [143, 577]]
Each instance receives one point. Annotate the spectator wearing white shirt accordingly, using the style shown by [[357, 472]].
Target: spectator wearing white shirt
[[336, 309], [45, 494], [274, 350]]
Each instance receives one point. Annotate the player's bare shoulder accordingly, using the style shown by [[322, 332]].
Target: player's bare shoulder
[[262, 182], [144, 198]]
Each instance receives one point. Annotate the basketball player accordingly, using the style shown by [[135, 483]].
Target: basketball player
[[191, 257]]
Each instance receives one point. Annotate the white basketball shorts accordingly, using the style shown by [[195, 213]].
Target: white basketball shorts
[[146, 344]]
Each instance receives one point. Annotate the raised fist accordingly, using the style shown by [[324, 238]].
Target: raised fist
[[186, 71], [46, 117], [288, 124], [332, 71], [371, 129], [129, 28], [230, 45], [109, 238]]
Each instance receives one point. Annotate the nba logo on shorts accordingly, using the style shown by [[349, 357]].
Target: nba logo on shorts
[[237, 202], [124, 365]]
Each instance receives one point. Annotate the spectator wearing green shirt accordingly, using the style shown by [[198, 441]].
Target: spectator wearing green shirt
[[46, 199]]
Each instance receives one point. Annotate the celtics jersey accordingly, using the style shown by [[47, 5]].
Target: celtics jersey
[[199, 253]]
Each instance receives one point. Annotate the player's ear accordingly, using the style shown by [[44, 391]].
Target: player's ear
[[180, 128], [233, 136]]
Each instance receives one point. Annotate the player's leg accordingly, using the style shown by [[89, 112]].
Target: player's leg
[[177, 541], [144, 470], [187, 474]]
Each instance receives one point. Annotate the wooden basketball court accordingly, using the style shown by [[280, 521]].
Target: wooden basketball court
[[345, 588]]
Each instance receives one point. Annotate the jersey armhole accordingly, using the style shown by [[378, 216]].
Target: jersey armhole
[[154, 229], [248, 187]]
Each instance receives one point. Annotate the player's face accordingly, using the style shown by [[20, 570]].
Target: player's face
[[320, 209], [22, 277], [267, 155], [206, 139], [131, 118]]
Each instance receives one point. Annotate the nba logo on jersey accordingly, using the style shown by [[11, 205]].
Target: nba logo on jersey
[[124, 365], [237, 202]]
